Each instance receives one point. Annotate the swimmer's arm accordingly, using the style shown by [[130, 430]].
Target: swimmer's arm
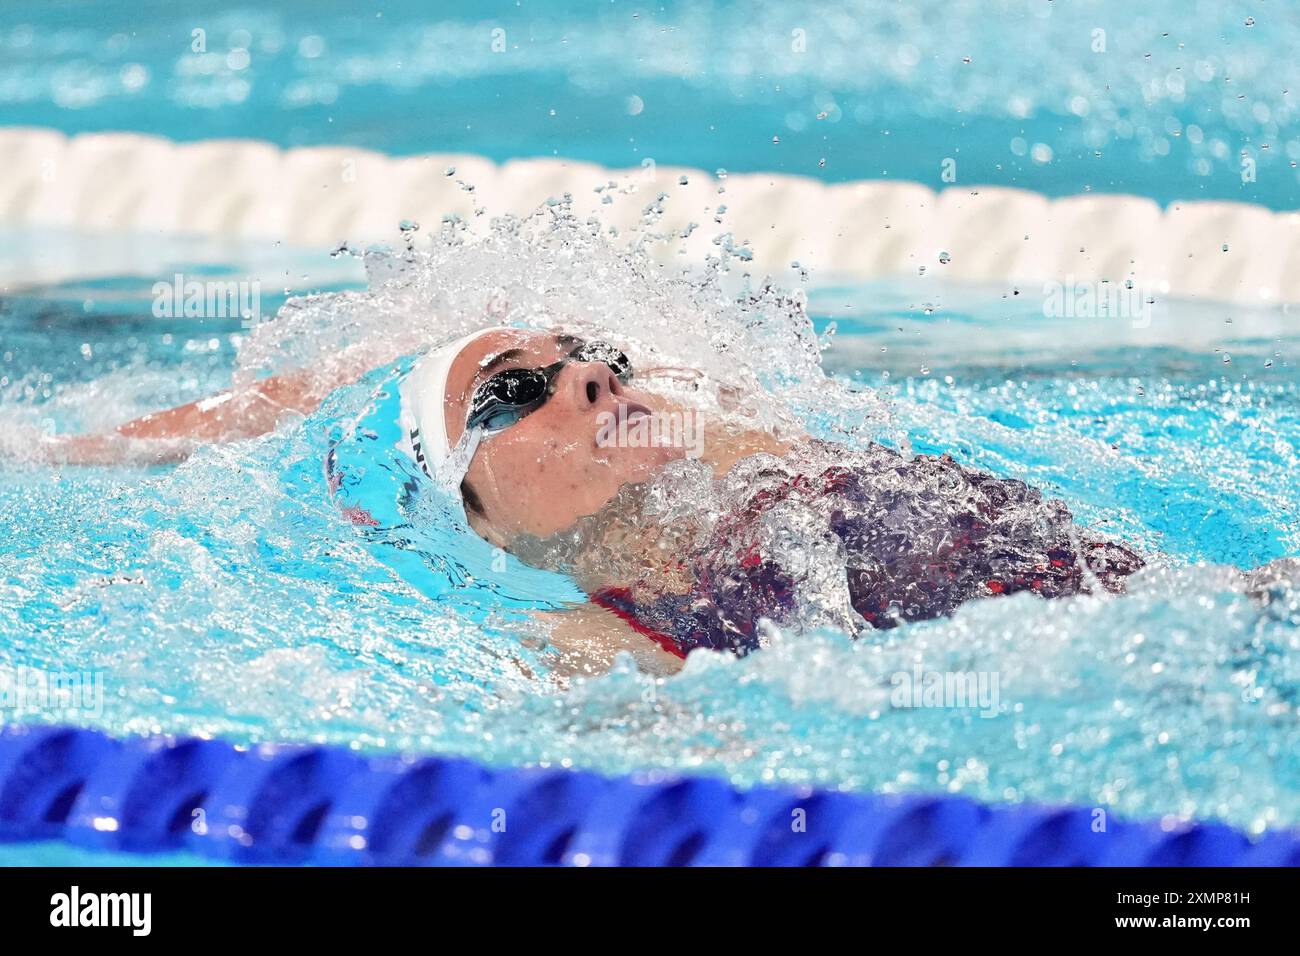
[[233, 414], [237, 413], [173, 434], [586, 640]]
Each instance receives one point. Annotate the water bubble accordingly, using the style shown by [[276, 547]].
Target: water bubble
[[311, 47], [134, 76]]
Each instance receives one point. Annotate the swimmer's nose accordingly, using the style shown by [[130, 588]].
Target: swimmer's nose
[[594, 381]]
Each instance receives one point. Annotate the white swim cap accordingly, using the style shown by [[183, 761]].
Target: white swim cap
[[424, 405]]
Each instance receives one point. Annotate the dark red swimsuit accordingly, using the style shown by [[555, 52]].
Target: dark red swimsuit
[[908, 557], [921, 564]]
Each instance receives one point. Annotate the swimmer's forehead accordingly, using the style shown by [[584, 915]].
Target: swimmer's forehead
[[508, 348]]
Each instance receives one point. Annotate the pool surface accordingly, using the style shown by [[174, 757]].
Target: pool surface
[[230, 597], [1054, 97]]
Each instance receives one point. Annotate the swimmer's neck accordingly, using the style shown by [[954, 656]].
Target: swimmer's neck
[[724, 446]]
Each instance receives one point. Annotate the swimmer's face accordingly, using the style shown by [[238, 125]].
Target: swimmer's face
[[556, 464]]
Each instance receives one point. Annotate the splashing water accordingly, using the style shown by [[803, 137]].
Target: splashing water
[[231, 595]]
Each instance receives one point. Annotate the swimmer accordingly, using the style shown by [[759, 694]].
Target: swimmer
[[516, 422]]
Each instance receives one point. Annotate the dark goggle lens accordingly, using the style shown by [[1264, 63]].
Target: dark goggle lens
[[500, 401], [602, 352], [498, 419], [516, 386], [507, 396]]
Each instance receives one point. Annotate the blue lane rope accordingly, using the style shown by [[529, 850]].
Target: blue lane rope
[[327, 805]]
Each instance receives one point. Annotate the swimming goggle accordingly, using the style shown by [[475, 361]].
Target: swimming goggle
[[508, 396]]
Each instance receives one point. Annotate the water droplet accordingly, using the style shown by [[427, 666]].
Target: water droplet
[[776, 140], [449, 171], [944, 258]]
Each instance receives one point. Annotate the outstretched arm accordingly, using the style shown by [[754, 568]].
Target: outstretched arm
[[171, 435], [586, 639]]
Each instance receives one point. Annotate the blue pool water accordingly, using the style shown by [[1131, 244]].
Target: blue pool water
[[229, 596], [1167, 101], [61, 854]]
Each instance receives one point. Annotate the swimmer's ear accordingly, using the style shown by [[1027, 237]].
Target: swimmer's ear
[[477, 516], [488, 532], [473, 503]]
